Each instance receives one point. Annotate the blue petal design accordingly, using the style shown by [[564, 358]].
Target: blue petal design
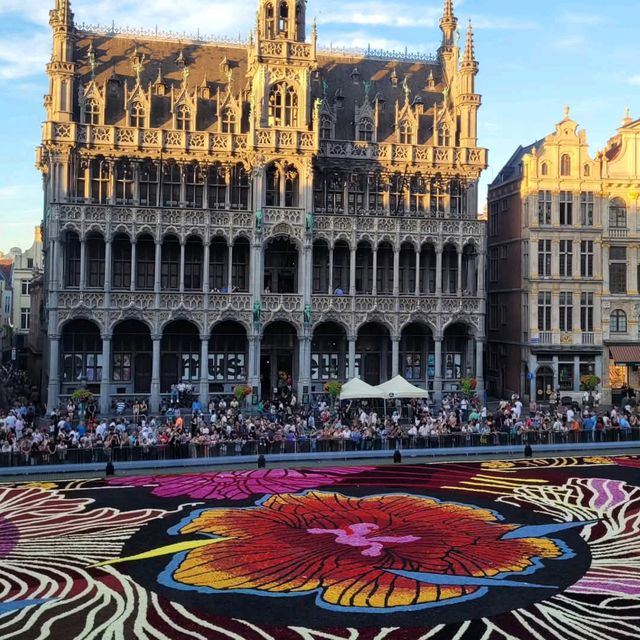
[[7, 607], [544, 530], [443, 579]]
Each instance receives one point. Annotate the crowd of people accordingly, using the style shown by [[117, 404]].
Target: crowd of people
[[185, 428]]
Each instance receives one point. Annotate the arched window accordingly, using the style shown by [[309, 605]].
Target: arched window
[[544, 169], [228, 121], [271, 22], [100, 174], [617, 214], [565, 165], [325, 127], [405, 132], [91, 112], [291, 108], [137, 115], [283, 18], [618, 322], [183, 118], [586, 170], [444, 135], [283, 106], [365, 130]]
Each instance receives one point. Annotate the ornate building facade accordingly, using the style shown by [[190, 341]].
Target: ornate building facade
[[227, 213], [564, 236]]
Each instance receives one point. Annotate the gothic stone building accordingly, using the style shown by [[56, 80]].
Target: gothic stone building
[[228, 213]]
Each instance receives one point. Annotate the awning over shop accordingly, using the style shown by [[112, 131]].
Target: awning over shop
[[625, 353]]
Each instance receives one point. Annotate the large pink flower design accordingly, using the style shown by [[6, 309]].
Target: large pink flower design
[[379, 553], [240, 485]]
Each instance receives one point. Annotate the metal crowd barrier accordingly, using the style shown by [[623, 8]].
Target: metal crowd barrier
[[231, 449]]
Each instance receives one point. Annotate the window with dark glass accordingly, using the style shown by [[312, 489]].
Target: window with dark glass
[[586, 312], [171, 184], [194, 186], [216, 187], [418, 194], [95, 262], [544, 258], [72, 262], [437, 196], [170, 266], [148, 184], [376, 192], [405, 132], [91, 112], [357, 192], [566, 258], [566, 311], [100, 172], [124, 182], [618, 270], [617, 214], [137, 115], [365, 130], [565, 165], [121, 258], [544, 311], [183, 118], [586, 209], [456, 198], [229, 121], [544, 207], [586, 258], [145, 264], [566, 208], [618, 322], [240, 188], [193, 257], [325, 128], [396, 193]]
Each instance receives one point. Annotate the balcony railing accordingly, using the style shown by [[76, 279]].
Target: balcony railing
[[618, 233]]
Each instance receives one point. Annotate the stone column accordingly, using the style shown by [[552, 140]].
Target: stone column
[[352, 273], [183, 248], [108, 266], [480, 368], [105, 383], [205, 267], [417, 272], [330, 278], [83, 264], [439, 272], [576, 373], [53, 393], [155, 374], [396, 271], [133, 265], [482, 258], [437, 381], [157, 272], [253, 372], [230, 268], [352, 356], [395, 356], [304, 365], [459, 273], [204, 371], [374, 284]]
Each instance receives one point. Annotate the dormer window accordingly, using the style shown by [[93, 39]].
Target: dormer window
[[365, 130], [325, 128], [183, 118], [228, 121], [91, 112], [444, 135], [405, 132], [137, 115]]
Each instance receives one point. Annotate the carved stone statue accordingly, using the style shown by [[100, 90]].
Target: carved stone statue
[[308, 314], [309, 222], [259, 222], [257, 311]]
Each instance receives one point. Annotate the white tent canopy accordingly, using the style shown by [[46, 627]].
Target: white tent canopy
[[357, 389], [400, 388]]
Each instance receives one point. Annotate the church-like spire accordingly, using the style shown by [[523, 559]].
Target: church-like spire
[[469, 51], [448, 24]]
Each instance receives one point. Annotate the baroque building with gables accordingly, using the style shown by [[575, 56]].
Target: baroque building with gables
[[231, 212]]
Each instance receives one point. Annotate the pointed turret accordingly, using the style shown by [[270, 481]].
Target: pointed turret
[[448, 25], [61, 69], [469, 57]]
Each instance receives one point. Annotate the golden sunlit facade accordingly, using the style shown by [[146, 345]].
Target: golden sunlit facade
[[573, 295], [250, 212]]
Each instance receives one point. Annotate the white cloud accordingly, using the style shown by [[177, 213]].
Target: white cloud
[[22, 57], [584, 19], [634, 80]]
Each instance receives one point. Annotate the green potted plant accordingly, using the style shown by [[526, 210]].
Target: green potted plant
[[241, 392], [468, 385], [333, 388], [589, 382]]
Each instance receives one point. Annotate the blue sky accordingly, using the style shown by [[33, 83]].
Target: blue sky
[[535, 56]]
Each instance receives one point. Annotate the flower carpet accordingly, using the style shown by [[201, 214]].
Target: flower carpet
[[531, 549]]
